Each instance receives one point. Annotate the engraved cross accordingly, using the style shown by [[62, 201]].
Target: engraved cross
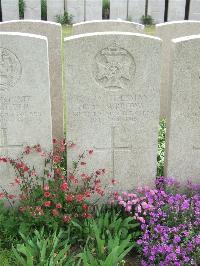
[[4, 141], [113, 148]]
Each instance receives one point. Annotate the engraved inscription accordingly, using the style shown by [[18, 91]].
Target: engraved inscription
[[10, 69], [113, 148], [114, 67], [4, 142]]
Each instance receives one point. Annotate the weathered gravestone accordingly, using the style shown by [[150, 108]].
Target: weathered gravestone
[[112, 83], [136, 10], [10, 9], [118, 9], [183, 136], [176, 10], [93, 9], [107, 25], [32, 9], [25, 109], [168, 31], [76, 9], [53, 32], [54, 8], [194, 12], [156, 9]]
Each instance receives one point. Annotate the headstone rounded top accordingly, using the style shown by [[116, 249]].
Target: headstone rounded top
[[25, 21], [180, 22]]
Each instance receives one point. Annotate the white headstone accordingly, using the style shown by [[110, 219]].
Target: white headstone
[[176, 10], [10, 9], [112, 83], [136, 10], [25, 108], [156, 9], [53, 32], [93, 9], [183, 136], [32, 9], [54, 8], [167, 32], [76, 8], [107, 25], [118, 9], [194, 10]]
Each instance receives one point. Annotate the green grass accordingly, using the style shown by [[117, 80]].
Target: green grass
[[66, 31]]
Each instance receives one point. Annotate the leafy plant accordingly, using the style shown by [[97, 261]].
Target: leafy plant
[[106, 9], [42, 251], [65, 19], [44, 9], [147, 20], [161, 148], [21, 8]]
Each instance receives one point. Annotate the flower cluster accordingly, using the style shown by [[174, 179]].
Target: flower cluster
[[170, 223], [59, 194]]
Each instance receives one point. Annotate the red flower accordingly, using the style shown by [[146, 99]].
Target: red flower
[[98, 172], [1, 195], [71, 177], [64, 186], [22, 209], [46, 187], [87, 215], [58, 171], [4, 160], [83, 163], [27, 149], [47, 194], [18, 181], [87, 194], [10, 196], [58, 206], [90, 152], [57, 159], [80, 197], [85, 207], [114, 181], [67, 218], [69, 198], [47, 203], [54, 141]]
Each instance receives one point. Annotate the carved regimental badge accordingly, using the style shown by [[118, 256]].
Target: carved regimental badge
[[10, 69], [114, 67]]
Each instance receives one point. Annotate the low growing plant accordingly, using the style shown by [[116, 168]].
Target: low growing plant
[[147, 20], [65, 19]]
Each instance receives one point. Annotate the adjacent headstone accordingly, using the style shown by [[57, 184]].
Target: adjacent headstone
[[93, 9], [53, 32], [167, 32], [32, 9], [183, 136], [118, 9], [194, 10], [10, 9], [107, 25], [76, 8], [156, 9], [176, 10], [25, 109], [112, 83], [136, 10], [54, 8]]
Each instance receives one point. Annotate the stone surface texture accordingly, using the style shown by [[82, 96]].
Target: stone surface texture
[[24, 98], [156, 9], [194, 10], [54, 8], [112, 99], [176, 10], [76, 9], [32, 9], [10, 9], [53, 32], [183, 136], [168, 31], [118, 9], [136, 10], [107, 25], [93, 9]]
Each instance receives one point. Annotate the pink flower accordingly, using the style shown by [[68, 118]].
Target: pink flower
[[58, 206], [90, 152], [10, 196], [46, 187], [47, 194], [55, 212], [67, 218], [64, 186], [141, 219], [69, 198], [47, 203], [1, 195]]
